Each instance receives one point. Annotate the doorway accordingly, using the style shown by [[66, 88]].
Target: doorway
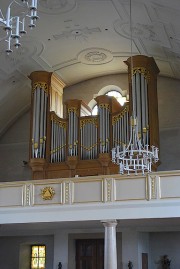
[[144, 261], [90, 254]]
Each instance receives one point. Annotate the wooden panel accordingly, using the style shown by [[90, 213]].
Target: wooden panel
[[90, 254], [144, 261]]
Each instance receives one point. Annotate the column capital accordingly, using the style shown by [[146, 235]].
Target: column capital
[[109, 223]]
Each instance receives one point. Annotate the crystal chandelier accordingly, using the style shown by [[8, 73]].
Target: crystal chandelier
[[13, 22], [137, 156]]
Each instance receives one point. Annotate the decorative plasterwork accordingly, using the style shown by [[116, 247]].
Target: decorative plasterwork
[[13, 60], [109, 186], [152, 192], [56, 6], [28, 189], [77, 33], [47, 193], [95, 56], [67, 190], [146, 32], [16, 60]]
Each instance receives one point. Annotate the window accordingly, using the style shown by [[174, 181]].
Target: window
[[38, 257], [95, 110], [115, 94]]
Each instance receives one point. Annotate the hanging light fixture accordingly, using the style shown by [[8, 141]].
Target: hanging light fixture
[[14, 25], [137, 156]]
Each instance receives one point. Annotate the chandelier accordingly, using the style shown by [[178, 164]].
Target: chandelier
[[136, 156], [13, 23]]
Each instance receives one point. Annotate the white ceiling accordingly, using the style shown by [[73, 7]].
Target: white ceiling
[[142, 225], [82, 39]]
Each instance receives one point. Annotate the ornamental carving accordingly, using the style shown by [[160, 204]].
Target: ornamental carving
[[47, 193], [40, 85], [105, 106], [77, 33], [95, 56], [120, 115], [56, 6], [58, 121], [90, 121], [143, 71], [73, 110], [139, 30]]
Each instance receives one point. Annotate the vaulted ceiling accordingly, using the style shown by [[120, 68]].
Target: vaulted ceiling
[[82, 39]]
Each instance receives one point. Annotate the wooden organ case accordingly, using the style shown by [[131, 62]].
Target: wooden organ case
[[81, 144]]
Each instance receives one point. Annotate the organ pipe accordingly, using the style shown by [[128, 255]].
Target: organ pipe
[[88, 131], [39, 120], [120, 125], [58, 133], [33, 124], [36, 134]]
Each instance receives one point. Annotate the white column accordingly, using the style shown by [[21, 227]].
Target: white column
[[110, 251]]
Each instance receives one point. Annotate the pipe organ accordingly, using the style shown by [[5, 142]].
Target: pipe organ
[[81, 144]]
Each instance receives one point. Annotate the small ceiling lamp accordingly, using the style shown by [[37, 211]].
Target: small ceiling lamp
[[14, 25], [137, 156]]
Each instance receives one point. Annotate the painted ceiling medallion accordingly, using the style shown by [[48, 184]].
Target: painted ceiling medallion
[[47, 193], [138, 30], [56, 6], [95, 56]]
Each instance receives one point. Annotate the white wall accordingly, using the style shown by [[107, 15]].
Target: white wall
[[14, 149], [169, 149], [87, 89], [13, 250], [169, 122], [61, 249], [130, 248], [143, 247], [165, 244], [134, 243]]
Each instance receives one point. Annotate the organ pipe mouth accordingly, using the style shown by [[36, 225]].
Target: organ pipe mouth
[[133, 121]]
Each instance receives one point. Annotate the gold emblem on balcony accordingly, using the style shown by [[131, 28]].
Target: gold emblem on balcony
[[47, 193]]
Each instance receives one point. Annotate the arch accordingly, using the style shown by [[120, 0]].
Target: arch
[[109, 88], [106, 90]]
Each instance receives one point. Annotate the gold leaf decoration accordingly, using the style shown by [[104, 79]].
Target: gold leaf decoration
[[47, 193]]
